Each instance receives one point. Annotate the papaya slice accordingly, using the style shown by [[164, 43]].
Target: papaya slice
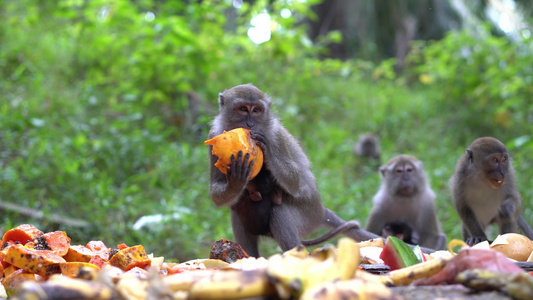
[[71, 269], [58, 241], [131, 257], [230, 143], [42, 262], [23, 234], [99, 248], [78, 253]]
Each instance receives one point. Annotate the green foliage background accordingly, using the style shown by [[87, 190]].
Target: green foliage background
[[95, 122]]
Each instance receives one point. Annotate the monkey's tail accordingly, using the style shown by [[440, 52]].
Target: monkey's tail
[[344, 227], [526, 229]]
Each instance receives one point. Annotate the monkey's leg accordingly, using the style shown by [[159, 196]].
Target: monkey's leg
[[284, 226], [248, 241]]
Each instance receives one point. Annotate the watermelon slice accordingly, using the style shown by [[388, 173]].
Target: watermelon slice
[[396, 254], [419, 254]]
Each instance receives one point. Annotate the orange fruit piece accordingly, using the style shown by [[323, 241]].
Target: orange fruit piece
[[231, 142]]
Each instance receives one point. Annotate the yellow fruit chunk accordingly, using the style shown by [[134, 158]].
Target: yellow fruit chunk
[[78, 253], [231, 142], [71, 269], [130, 257], [42, 262]]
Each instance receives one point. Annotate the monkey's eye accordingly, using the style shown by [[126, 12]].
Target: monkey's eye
[[256, 109], [409, 169], [495, 160], [243, 108], [504, 159], [399, 170]]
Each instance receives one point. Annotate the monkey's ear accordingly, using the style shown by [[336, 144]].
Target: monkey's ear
[[220, 99], [382, 171], [470, 155]]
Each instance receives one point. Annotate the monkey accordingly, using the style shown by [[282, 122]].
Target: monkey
[[368, 154], [286, 170], [401, 230], [484, 191], [368, 146], [405, 196]]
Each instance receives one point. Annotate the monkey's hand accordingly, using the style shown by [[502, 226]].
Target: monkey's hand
[[259, 139], [238, 173], [475, 240]]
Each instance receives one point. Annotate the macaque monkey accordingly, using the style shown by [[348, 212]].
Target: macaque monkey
[[282, 201], [368, 146], [405, 196], [400, 230], [484, 191]]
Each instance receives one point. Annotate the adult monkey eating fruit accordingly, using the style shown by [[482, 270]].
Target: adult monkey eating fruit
[[286, 170], [484, 191]]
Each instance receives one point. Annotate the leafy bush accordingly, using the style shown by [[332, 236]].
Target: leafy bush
[[489, 75]]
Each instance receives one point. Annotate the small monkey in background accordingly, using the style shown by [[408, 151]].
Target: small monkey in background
[[405, 196], [368, 146], [282, 201], [400, 230], [368, 153], [484, 191]]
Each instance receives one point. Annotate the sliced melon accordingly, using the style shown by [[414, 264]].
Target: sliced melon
[[396, 254]]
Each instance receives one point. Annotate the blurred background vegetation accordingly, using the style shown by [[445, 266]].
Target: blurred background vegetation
[[105, 104]]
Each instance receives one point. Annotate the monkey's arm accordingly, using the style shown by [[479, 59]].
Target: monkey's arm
[[286, 160], [524, 226], [508, 214], [470, 224], [226, 189], [431, 234], [376, 221]]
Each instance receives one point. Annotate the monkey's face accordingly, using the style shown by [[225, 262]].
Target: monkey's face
[[495, 167], [403, 179]]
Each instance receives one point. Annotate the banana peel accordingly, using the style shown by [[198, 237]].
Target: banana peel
[[232, 284], [294, 272], [517, 285], [409, 274], [64, 288], [350, 289]]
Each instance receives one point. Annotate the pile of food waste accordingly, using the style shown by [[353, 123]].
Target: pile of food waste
[[38, 265]]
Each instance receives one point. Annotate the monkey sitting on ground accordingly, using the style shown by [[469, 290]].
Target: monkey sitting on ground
[[405, 196], [368, 146], [286, 172], [484, 191], [400, 230], [368, 153]]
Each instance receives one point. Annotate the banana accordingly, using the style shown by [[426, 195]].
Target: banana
[[184, 281], [232, 284], [373, 278], [517, 285], [293, 274], [64, 288], [132, 288], [409, 274], [349, 289]]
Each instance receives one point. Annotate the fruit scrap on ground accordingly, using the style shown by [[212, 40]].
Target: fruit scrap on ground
[[28, 254], [38, 265]]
